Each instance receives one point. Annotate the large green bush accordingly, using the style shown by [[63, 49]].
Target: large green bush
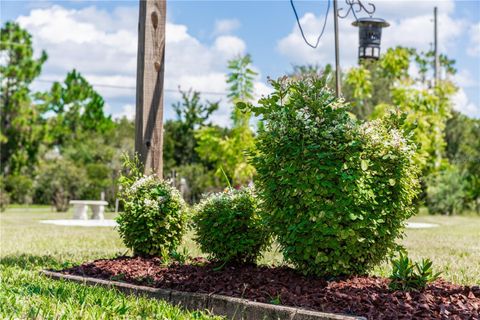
[[4, 196], [229, 226], [338, 191], [446, 191], [58, 181], [154, 217], [19, 187]]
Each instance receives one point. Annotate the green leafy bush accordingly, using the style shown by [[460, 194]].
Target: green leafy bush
[[229, 226], [446, 191], [58, 181], [408, 275], [337, 191], [154, 217], [19, 187], [4, 196]]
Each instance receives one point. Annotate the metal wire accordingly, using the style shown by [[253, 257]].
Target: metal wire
[[359, 6], [354, 6], [301, 29], [102, 85]]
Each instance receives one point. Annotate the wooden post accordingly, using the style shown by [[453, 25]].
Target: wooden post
[[150, 73]]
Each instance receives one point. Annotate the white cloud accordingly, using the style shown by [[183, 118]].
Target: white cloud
[[73, 39], [230, 45], [38, 4], [389, 9], [465, 79], [102, 45], [474, 45], [417, 32], [261, 89], [463, 105], [294, 47], [226, 26], [128, 111]]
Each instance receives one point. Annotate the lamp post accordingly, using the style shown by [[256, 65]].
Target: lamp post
[[370, 33]]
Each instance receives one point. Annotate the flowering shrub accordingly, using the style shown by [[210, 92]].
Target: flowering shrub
[[154, 216], [229, 226], [337, 191]]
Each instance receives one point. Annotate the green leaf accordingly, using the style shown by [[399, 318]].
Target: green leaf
[[241, 105], [364, 164]]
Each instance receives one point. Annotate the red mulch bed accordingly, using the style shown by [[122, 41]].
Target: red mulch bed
[[361, 296]]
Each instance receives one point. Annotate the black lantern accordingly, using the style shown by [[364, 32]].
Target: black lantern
[[370, 34]]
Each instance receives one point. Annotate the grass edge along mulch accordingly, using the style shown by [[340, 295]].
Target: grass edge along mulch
[[366, 296], [26, 294]]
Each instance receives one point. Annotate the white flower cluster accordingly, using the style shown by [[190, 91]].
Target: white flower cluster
[[303, 114], [150, 204], [228, 193], [147, 182], [140, 183], [398, 141], [370, 129], [375, 131]]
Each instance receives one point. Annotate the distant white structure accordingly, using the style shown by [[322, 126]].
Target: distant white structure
[[82, 223], [184, 188], [420, 225], [80, 208]]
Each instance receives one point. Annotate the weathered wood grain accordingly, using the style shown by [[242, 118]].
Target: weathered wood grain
[[150, 78]]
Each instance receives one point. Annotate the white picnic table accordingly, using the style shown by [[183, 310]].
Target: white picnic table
[[80, 208]]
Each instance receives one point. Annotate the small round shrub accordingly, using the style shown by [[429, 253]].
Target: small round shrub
[[337, 191], [154, 217], [229, 226]]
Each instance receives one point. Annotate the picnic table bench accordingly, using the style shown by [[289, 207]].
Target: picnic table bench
[[80, 209]]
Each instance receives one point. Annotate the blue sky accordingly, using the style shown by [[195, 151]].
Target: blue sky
[[98, 38]]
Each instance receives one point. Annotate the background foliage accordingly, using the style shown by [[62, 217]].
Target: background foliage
[[228, 152], [67, 124], [446, 140]]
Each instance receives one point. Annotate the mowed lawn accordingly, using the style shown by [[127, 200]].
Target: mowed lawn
[[28, 246]]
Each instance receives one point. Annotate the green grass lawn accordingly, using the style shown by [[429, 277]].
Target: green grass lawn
[[454, 247], [27, 246]]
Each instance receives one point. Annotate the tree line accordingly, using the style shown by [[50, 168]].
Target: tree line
[[59, 144]]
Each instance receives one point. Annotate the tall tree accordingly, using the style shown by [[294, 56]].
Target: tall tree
[[230, 153], [77, 108], [22, 126], [370, 84], [240, 78], [463, 150], [82, 134], [179, 140], [376, 88]]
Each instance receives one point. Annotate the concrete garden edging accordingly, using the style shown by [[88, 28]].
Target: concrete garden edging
[[232, 308]]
